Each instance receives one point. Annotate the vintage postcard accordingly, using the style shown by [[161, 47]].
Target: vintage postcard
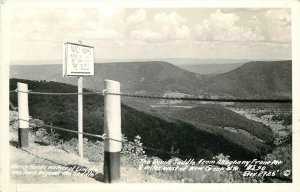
[[163, 95]]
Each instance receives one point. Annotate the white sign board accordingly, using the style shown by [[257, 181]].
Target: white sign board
[[78, 60]]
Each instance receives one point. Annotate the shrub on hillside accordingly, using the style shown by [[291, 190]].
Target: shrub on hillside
[[286, 118], [34, 124], [132, 152], [284, 154]]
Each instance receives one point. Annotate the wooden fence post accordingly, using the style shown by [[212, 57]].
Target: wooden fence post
[[80, 116], [112, 129], [23, 115]]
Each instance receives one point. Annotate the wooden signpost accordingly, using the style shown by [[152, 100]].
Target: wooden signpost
[[78, 61]]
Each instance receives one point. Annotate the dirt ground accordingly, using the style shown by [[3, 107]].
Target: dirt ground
[[40, 164]]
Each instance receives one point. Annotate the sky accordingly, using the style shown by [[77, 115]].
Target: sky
[[152, 33]]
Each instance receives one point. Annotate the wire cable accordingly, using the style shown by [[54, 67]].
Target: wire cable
[[188, 98], [54, 93]]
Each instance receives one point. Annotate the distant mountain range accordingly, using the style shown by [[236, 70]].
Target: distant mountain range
[[153, 77], [174, 61], [260, 79]]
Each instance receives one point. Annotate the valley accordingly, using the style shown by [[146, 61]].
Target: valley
[[281, 129], [166, 130]]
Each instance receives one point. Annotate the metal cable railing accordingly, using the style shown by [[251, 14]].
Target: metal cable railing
[[186, 98]]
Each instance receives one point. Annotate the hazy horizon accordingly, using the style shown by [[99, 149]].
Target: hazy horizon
[[175, 61]]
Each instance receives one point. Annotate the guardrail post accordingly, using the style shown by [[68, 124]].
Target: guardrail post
[[23, 115], [112, 129]]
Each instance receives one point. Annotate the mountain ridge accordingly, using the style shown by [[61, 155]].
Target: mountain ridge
[[211, 69], [260, 79]]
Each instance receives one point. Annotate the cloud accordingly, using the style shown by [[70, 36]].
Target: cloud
[[58, 24], [146, 34], [179, 32], [171, 25], [278, 27], [103, 33], [172, 18], [183, 32], [162, 27], [223, 27], [137, 17], [112, 23]]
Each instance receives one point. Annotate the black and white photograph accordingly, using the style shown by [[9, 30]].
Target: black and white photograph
[[116, 93]]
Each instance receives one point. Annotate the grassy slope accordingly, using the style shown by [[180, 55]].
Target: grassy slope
[[210, 121], [220, 116]]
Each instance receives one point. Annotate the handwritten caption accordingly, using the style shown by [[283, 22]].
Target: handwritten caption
[[53, 170], [253, 168]]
